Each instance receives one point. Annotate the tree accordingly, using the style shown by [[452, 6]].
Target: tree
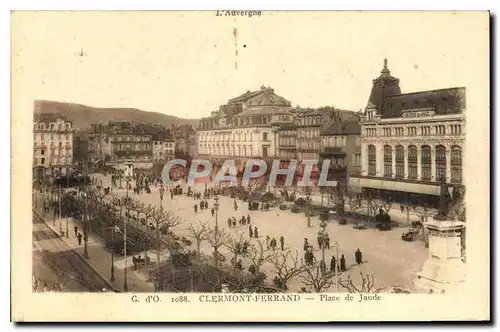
[[367, 284], [235, 247], [258, 254], [313, 277], [166, 220], [198, 232], [217, 238], [286, 266]]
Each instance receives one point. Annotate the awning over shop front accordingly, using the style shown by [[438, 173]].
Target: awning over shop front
[[411, 187]]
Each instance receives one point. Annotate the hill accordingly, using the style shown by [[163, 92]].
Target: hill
[[82, 116]]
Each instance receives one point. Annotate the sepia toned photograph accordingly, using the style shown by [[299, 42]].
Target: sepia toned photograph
[[204, 160]]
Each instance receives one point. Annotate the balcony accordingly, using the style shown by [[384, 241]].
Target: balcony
[[332, 151]]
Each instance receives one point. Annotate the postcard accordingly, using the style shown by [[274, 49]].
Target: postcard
[[246, 165]]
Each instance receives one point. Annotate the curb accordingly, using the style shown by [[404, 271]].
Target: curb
[[111, 287]]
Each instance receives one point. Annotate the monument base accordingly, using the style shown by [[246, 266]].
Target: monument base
[[444, 271]]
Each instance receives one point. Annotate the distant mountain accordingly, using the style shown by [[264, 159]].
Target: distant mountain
[[82, 116]]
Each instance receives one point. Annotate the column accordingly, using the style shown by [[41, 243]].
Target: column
[[405, 175], [364, 159], [433, 163], [393, 159], [380, 159], [448, 164], [419, 163]]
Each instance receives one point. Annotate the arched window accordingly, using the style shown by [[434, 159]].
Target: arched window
[[412, 162], [372, 160], [400, 161], [440, 162], [388, 161], [426, 163], [456, 164]]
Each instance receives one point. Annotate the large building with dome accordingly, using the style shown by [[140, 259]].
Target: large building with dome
[[411, 143]]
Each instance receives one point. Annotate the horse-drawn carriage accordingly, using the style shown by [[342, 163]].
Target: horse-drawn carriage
[[411, 235]]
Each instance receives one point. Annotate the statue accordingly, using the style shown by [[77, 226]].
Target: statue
[[444, 201]]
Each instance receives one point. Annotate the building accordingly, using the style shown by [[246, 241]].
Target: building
[[183, 136], [52, 144], [411, 142], [80, 147], [245, 127], [120, 143], [311, 123], [341, 143], [287, 140], [163, 147]]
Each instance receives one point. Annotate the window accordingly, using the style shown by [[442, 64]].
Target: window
[[42, 126], [400, 161], [398, 131], [440, 162], [42, 152], [372, 160], [412, 131], [264, 136], [456, 164], [426, 163], [388, 161], [440, 130], [426, 130], [35, 126], [412, 162], [455, 129], [52, 126], [42, 161], [387, 131]]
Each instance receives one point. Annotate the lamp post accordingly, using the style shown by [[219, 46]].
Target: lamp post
[[322, 236], [216, 253], [60, 216], [337, 267], [128, 178], [113, 230], [308, 198]]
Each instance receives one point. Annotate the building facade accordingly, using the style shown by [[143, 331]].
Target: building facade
[[52, 144], [245, 127], [120, 143], [341, 143], [411, 143]]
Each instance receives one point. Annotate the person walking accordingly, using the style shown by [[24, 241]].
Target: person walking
[[333, 265], [195, 208], [327, 241], [342, 264], [273, 244], [268, 242], [248, 218], [213, 212], [282, 243], [358, 256], [76, 230], [306, 244], [79, 236], [229, 222], [250, 231], [255, 232]]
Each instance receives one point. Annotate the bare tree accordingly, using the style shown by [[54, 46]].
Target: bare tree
[[314, 277], [367, 284], [235, 247], [258, 254], [198, 232], [286, 266], [217, 238]]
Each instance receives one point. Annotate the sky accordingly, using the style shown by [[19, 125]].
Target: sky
[[188, 63]]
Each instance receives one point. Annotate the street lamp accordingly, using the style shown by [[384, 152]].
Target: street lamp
[[337, 267], [128, 178], [113, 230], [216, 208], [323, 236]]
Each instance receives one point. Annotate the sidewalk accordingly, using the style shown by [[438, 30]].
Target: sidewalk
[[100, 259]]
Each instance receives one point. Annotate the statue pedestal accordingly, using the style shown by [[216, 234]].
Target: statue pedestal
[[444, 270]]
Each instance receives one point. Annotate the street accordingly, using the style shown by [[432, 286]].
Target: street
[[55, 264]]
